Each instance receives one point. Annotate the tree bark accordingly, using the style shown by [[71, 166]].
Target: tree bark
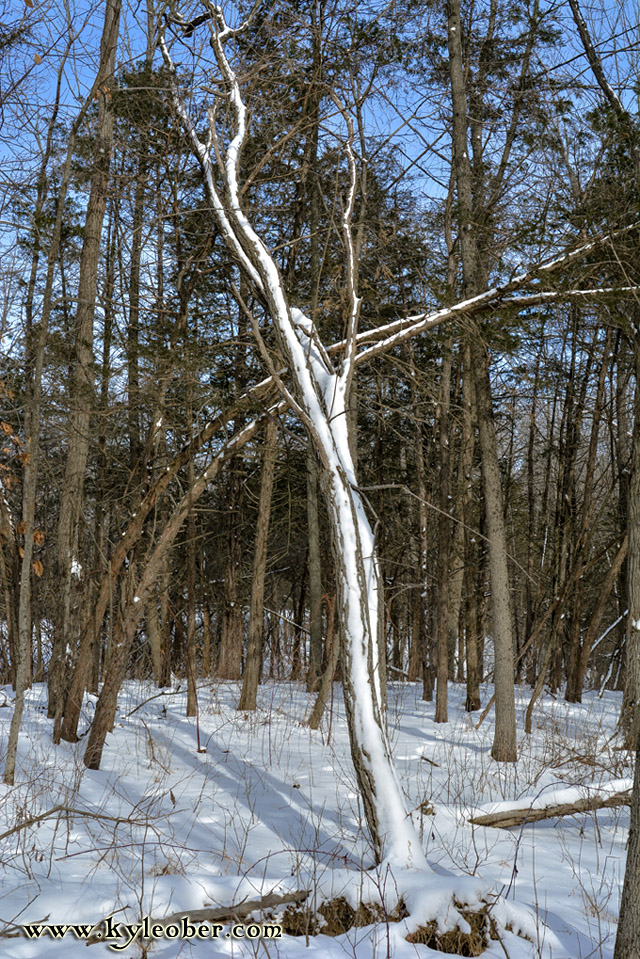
[[444, 537], [628, 936], [190, 657], [521, 817], [630, 717], [82, 391], [253, 662], [333, 657], [504, 747], [418, 667], [231, 641], [32, 423], [472, 701], [315, 576], [321, 398]]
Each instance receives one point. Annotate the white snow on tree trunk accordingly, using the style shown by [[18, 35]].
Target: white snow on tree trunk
[[320, 396]]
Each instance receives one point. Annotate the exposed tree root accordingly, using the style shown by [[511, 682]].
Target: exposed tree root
[[337, 916], [455, 941]]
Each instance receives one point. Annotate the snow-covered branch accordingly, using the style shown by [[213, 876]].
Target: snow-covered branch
[[352, 269], [386, 337]]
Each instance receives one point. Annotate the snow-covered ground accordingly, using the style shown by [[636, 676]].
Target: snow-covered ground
[[272, 806]]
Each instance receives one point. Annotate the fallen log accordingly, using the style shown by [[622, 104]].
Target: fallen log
[[213, 913], [506, 818]]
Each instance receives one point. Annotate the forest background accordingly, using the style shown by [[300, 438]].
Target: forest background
[[448, 198]]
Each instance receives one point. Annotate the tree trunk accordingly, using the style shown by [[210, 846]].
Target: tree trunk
[[418, 656], [444, 536], [467, 445], [630, 717], [9, 579], [82, 391], [230, 652], [33, 412], [575, 683], [315, 576], [206, 638], [321, 399], [504, 747], [333, 656], [508, 818], [154, 638], [190, 650], [628, 936], [190, 656], [253, 662], [456, 583]]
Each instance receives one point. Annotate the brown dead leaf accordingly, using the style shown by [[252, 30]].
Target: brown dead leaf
[[38, 568]]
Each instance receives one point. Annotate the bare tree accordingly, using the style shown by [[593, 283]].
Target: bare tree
[[320, 397], [82, 391], [37, 344]]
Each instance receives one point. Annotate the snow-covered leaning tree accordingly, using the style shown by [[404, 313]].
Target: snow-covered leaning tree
[[319, 395], [316, 386]]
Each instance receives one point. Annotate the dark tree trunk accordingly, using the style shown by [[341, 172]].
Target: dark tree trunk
[[253, 663]]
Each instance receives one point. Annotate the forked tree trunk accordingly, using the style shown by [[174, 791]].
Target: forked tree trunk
[[321, 399], [358, 605]]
